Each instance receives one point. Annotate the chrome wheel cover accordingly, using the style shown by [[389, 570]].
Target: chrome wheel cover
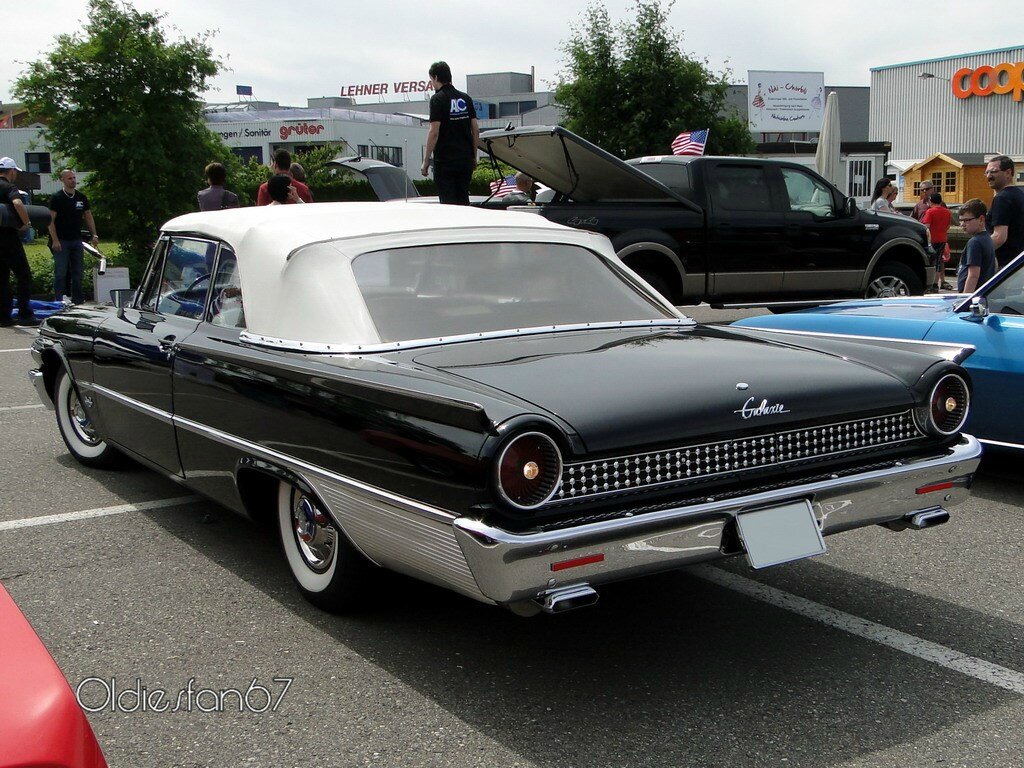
[[315, 535], [80, 421], [886, 287]]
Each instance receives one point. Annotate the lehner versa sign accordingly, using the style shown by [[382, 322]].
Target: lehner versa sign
[[985, 81]]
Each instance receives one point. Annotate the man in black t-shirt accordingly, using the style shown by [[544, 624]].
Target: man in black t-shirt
[[12, 252], [1005, 220], [68, 208], [452, 138]]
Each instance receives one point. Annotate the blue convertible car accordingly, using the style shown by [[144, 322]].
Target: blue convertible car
[[991, 320]]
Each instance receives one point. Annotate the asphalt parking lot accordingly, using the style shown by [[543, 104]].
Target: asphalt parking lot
[[891, 650]]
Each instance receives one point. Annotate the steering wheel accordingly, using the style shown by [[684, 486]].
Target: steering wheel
[[194, 283]]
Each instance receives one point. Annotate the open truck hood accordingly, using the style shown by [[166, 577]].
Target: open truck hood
[[574, 167]]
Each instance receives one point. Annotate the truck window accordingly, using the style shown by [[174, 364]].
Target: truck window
[[675, 176], [740, 188], [807, 193]]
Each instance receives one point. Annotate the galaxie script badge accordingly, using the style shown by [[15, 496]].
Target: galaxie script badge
[[749, 410]]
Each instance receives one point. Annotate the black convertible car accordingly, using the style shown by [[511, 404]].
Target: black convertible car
[[492, 403]]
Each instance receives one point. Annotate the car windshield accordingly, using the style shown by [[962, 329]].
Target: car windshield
[[1007, 298], [454, 290]]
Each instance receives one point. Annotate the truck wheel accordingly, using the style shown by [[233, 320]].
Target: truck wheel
[[893, 279], [329, 572], [77, 429]]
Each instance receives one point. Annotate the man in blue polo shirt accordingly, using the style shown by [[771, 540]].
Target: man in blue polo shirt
[[68, 208], [452, 137]]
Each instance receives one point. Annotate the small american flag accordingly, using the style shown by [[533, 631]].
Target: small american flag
[[690, 142], [502, 187]]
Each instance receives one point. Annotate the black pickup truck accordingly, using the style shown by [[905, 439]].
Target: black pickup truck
[[721, 229]]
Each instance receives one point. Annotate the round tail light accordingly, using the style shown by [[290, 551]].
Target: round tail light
[[529, 470], [949, 403]]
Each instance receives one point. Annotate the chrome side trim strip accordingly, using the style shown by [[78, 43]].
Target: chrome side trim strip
[[304, 467], [149, 410], [1001, 444], [390, 536], [391, 530], [393, 346], [955, 353]]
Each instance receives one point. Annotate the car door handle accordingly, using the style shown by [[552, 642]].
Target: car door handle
[[167, 344]]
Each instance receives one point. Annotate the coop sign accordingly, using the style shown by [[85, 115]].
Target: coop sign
[[985, 81]]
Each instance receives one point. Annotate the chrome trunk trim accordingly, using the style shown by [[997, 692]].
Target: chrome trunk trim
[[681, 464]]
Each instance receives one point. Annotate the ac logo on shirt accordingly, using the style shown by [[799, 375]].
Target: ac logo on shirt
[[458, 107]]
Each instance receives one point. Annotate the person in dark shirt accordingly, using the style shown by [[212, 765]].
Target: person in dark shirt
[[1005, 221], [12, 252], [978, 264], [68, 208], [452, 137], [215, 197]]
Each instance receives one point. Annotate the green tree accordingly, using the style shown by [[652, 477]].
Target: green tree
[[631, 89], [120, 99]]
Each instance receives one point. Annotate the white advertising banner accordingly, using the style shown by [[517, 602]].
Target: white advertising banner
[[785, 102]]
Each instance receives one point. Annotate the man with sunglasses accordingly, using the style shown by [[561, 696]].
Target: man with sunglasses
[[978, 263], [1006, 218], [927, 188]]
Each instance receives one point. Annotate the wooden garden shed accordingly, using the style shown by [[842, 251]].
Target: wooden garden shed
[[959, 177]]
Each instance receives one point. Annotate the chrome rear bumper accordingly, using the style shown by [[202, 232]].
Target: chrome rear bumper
[[511, 567]]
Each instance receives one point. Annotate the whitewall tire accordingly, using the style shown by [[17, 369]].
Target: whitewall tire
[[328, 570], [80, 435]]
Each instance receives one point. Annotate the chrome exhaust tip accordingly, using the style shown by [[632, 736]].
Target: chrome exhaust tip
[[924, 518], [567, 598], [927, 519]]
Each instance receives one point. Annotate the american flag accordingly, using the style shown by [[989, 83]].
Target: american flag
[[690, 142], [502, 187]]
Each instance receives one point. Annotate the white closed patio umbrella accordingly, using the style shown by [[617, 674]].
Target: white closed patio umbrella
[[827, 156]]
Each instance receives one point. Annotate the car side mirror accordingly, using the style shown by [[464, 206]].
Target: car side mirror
[[849, 207], [122, 297], [979, 308]]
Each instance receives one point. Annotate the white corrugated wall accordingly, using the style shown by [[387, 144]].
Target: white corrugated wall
[[922, 116]]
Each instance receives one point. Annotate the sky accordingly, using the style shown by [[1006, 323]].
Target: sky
[[288, 51]]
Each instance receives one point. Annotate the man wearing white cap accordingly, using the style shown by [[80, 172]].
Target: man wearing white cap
[[12, 253]]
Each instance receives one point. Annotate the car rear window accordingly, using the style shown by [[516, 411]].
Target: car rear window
[[454, 290]]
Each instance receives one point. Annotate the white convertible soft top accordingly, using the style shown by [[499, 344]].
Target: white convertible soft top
[[294, 261]]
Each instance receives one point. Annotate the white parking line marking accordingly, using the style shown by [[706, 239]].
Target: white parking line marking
[[20, 407], [26, 349], [28, 522], [985, 671]]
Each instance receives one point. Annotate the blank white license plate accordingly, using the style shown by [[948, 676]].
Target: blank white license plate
[[780, 534]]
